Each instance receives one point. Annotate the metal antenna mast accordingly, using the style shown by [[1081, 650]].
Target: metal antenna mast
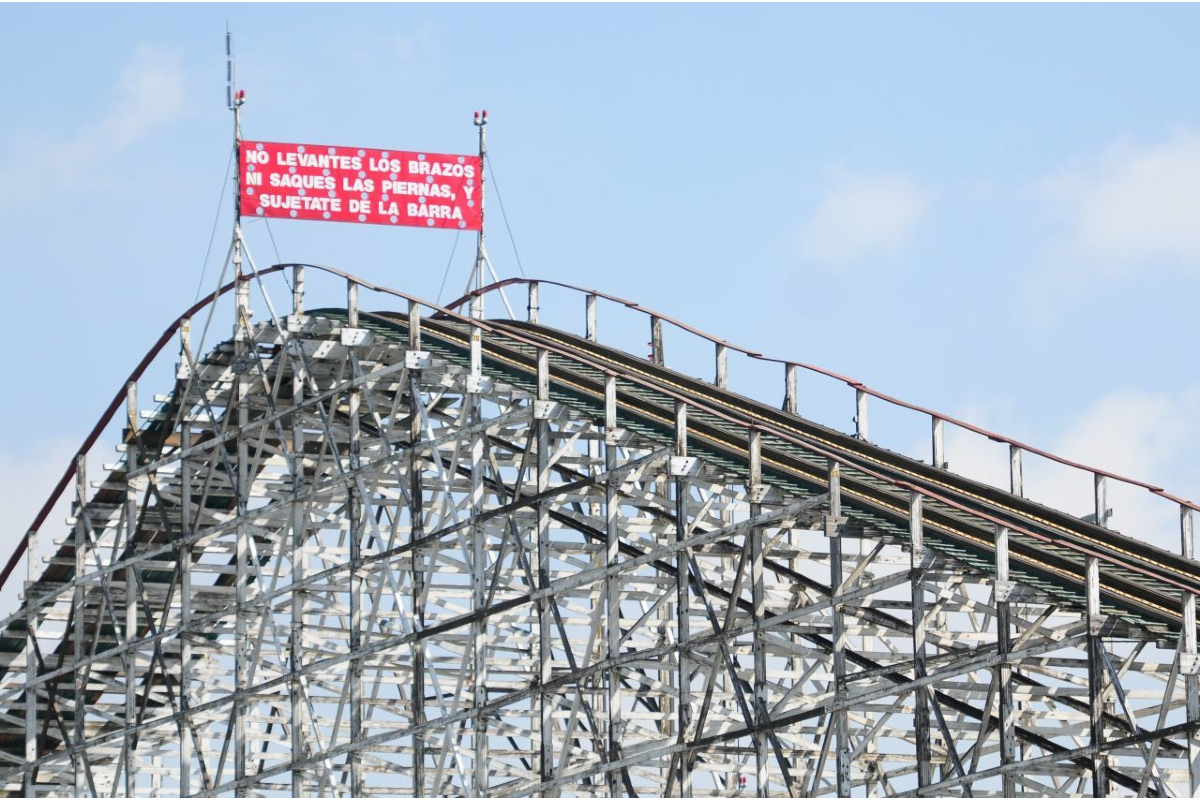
[[482, 261], [480, 255], [234, 98]]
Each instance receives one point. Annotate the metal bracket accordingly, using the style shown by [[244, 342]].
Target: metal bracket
[[318, 348], [477, 384], [1004, 590], [357, 337], [758, 492], [1189, 663], [617, 436], [416, 359], [833, 526], [683, 465], [545, 409]]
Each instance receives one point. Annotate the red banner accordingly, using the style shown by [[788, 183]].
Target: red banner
[[355, 184]]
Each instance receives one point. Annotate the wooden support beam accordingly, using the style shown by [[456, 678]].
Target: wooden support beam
[[546, 700], [1016, 476], [297, 527], [354, 504], [860, 415], [916, 528], [184, 565], [476, 354], [590, 326], [612, 585], [31, 673], [131, 411], [532, 306], [939, 443], [758, 599], [1003, 670], [1102, 510], [682, 605], [656, 341], [129, 656], [841, 725], [414, 325], [478, 540], [241, 654], [352, 303], [78, 629], [1096, 679], [1191, 680], [416, 516], [298, 289], [791, 400]]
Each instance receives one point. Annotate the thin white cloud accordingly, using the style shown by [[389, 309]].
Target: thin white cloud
[[1144, 435], [1131, 207], [148, 97], [1148, 436], [864, 216]]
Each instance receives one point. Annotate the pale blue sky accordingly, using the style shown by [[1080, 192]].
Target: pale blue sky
[[985, 209]]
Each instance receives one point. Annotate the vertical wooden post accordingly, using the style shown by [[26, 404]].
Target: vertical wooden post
[[860, 415], [758, 599], [414, 325], [129, 656], [474, 408], [591, 318], [31, 670], [183, 556], [722, 358], [916, 527], [416, 514], [241, 480], [1191, 681], [351, 304], [656, 341], [939, 443], [1096, 678], [241, 659], [299, 557], [532, 306], [78, 611], [354, 502], [476, 355], [184, 560], [682, 605], [1102, 511], [1016, 476], [841, 727], [542, 533], [612, 586], [298, 289], [791, 400], [242, 294], [1003, 673], [131, 416]]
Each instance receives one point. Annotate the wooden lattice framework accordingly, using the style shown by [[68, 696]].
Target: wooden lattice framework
[[344, 559]]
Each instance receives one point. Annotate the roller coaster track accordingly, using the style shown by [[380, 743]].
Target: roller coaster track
[[636, 581]]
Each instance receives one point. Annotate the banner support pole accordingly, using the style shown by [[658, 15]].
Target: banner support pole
[[481, 121], [234, 100], [237, 184]]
